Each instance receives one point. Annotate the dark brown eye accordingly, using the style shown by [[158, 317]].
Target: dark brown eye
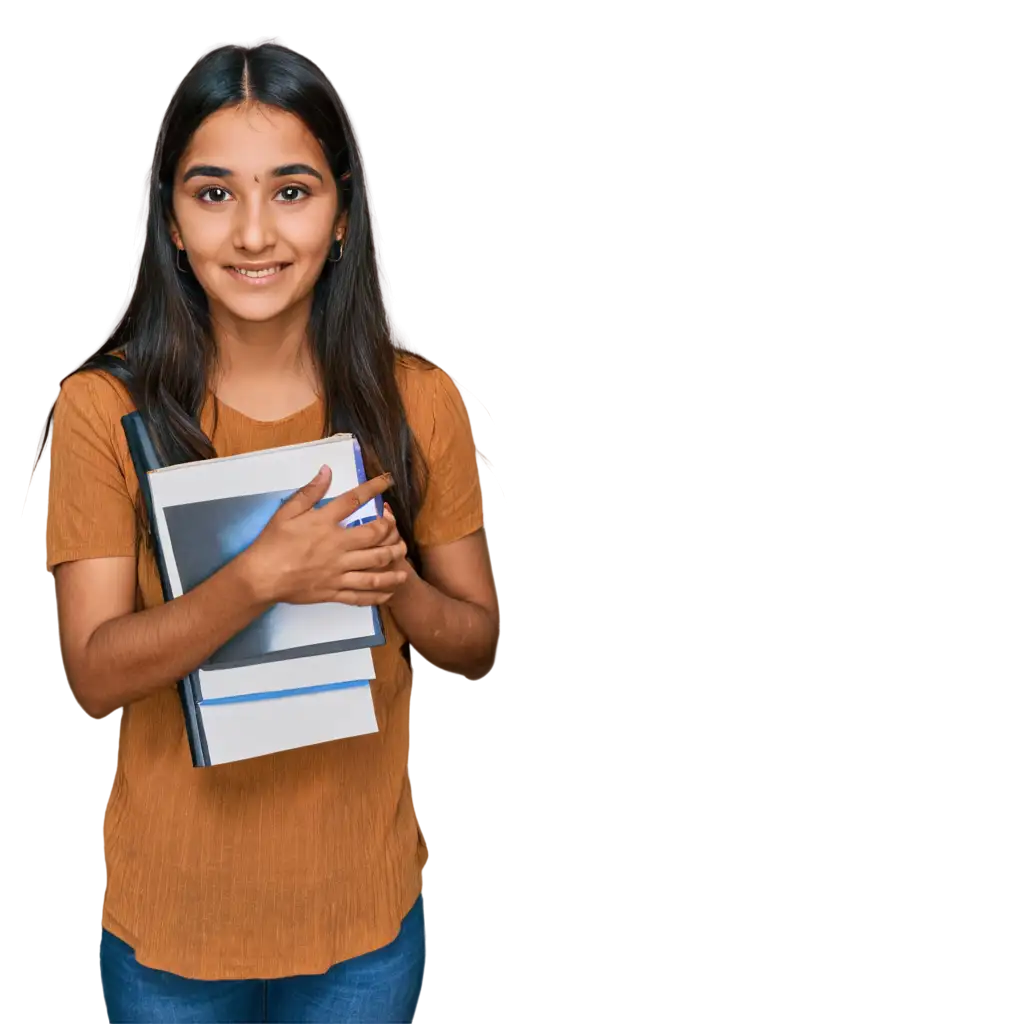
[[212, 194], [292, 193]]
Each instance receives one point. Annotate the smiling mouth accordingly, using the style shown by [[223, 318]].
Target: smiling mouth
[[264, 273]]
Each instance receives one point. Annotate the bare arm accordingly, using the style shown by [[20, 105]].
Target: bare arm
[[450, 613], [114, 655]]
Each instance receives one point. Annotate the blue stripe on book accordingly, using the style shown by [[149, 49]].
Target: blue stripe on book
[[295, 691], [378, 502], [360, 468], [361, 522], [355, 522]]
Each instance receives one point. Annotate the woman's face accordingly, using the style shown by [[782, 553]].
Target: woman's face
[[256, 211]]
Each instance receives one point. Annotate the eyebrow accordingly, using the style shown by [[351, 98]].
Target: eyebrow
[[289, 169], [285, 171]]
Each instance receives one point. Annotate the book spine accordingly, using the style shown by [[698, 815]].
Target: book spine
[[144, 459], [378, 501], [378, 504]]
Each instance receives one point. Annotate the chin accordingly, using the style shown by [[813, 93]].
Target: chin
[[256, 309]]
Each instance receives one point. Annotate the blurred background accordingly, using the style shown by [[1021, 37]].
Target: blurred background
[[732, 294]]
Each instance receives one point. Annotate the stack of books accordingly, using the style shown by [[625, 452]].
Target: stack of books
[[297, 675]]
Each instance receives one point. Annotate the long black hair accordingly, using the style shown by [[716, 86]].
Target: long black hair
[[164, 341]]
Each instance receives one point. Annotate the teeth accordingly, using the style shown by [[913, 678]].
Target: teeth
[[258, 273]]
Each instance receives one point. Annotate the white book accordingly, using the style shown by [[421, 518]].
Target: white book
[[284, 675], [297, 675], [239, 729]]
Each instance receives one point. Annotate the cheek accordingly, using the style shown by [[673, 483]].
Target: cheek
[[301, 235], [204, 237], [308, 234]]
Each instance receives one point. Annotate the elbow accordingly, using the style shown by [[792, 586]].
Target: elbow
[[488, 643], [493, 634], [482, 647], [89, 704], [88, 681], [470, 655], [85, 693]]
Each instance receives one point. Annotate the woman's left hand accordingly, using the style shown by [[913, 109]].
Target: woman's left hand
[[394, 537]]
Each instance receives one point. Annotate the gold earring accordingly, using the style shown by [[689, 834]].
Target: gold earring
[[341, 249], [177, 261]]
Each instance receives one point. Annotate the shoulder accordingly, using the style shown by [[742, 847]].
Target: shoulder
[[430, 396], [87, 417], [93, 488], [417, 377], [452, 505], [96, 391]]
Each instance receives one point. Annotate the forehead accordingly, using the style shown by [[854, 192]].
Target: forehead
[[252, 137]]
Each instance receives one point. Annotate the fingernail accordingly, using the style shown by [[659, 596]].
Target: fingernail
[[323, 469]]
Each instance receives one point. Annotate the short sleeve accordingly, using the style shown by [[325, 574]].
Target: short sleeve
[[452, 502], [91, 513]]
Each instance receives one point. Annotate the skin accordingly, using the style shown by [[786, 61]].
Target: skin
[[252, 216], [240, 210]]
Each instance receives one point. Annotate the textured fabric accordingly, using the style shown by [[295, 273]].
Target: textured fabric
[[382, 986], [279, 865]]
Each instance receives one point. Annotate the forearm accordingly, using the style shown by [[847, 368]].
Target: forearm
[[135, 655], [457, 636]]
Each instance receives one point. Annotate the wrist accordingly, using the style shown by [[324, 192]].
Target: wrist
[[251, 575], [407, 591]]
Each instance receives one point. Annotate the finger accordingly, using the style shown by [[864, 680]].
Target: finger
[[388, 514], [373, 557], [306, 497], [361, 598], [384, 581], [368, 535], [392, 536], [341, 507]]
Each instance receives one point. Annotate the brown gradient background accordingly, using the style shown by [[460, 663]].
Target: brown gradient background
[[740, 336]]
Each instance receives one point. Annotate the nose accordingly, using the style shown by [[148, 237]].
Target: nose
[[254, 225]]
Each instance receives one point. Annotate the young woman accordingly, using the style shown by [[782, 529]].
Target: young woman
[[285, 887]]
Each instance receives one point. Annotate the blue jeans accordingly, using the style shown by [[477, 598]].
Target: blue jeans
[[381, 987]]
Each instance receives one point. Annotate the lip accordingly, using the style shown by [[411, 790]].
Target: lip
[[258, 282]]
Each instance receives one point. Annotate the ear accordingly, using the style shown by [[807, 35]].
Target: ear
[[341, 227], [175, 234]]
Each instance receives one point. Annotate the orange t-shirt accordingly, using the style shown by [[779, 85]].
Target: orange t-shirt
[[283, 864]]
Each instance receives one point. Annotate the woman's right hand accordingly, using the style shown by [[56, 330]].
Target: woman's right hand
[[304, 555]]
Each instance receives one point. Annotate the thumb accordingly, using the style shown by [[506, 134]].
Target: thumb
[[306, 497]]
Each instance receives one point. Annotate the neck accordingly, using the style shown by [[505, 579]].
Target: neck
[[271, 350]]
